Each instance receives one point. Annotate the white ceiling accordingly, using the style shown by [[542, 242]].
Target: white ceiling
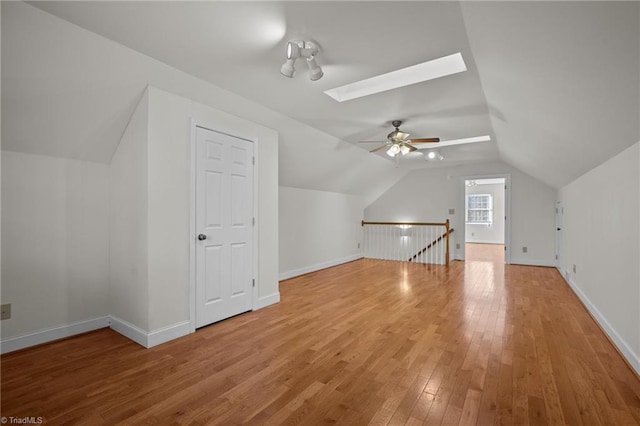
[[554, 84]]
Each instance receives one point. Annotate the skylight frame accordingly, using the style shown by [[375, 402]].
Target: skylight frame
[[453, 142], [430, 70]]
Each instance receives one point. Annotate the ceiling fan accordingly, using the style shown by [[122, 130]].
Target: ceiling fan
[[398, 142]]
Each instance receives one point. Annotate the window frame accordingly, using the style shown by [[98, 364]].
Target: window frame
[[488, 209]]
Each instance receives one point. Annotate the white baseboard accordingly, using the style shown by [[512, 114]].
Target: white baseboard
[[150, 339], [627, 352], [265, 301], [50, 334], [312, 268], [168, 333], [532, 262], [129, 330]]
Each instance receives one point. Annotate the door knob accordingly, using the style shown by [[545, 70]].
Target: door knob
[[202, 237]]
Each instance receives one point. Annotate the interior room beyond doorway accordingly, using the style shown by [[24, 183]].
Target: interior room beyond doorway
[[485, 219]]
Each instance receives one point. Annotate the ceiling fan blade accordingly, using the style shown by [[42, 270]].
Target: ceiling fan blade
[[378, 148], [411, 147], [424, 140]]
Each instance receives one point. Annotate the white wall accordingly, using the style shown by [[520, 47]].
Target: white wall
[[600, 237], [169, 238], [318, 229], [427, 195], [482, 233], [55, 242], [128, 222]]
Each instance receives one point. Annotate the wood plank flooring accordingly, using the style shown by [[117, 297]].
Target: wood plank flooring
[[368, 342], [483, 251]]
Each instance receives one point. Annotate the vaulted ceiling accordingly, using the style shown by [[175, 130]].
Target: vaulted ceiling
[[555, 84]]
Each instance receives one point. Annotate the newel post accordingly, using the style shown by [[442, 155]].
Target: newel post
[[446, 224]]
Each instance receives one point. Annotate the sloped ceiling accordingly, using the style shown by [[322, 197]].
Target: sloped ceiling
[[554, 84], [565, 78]]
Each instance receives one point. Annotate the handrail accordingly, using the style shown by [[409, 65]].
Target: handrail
[[445, 224], [434, 242], [408, 223]]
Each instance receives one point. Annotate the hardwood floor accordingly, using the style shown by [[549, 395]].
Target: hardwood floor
[[487, 252], [368, 342]]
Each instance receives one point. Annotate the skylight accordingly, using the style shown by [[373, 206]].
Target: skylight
[[429, 70], [452, 142]]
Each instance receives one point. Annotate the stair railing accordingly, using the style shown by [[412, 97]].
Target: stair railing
[[424, 242]]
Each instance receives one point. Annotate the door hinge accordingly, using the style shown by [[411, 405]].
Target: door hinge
[[556, 257], [253, 282], [253, 221], [253, 160]]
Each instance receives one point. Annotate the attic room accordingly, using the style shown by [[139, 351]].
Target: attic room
[[112, 115]]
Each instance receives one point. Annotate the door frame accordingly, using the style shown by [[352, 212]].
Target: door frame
[[236, 133], [507, 211], [559, 229]]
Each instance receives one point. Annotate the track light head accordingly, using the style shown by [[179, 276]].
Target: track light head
[[293, 49], [288, 68], [315, 72], [302, 49]]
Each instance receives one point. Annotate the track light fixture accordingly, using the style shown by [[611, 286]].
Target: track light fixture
[[302, 49]]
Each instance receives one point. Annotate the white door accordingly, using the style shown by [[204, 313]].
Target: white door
[[559, 213], [224, 226]]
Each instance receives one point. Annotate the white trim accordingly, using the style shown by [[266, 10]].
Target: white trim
[[192, 230], [123, 327], [533, 262], [558, 233], [632, 358], [129, 330], [50, 334], [265, 301], [461, 223], [154, 338], [166, 334], [312, 268]]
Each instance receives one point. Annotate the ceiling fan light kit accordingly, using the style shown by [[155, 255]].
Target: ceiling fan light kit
[[302, 49], [393, 150]]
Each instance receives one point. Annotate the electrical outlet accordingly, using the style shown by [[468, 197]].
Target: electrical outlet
[[5, 311], [574, 268], [458, 246], [452, 211], [525, 249]]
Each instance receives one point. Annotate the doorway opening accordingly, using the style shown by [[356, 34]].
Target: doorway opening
[[485, 218]]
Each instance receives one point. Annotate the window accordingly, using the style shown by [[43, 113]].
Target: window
[[479, 208]]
